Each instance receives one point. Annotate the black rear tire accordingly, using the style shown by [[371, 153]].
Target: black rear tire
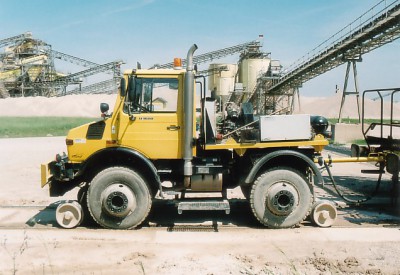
[[281, 198]]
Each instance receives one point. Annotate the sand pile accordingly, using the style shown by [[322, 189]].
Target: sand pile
[[330, 106], [69, 106], [89, 106]]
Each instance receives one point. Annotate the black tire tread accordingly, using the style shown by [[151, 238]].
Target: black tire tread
[[256, 182], [127, 170]]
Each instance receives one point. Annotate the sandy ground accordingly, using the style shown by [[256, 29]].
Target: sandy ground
[[69, 106], [306, 251], [362, 242]]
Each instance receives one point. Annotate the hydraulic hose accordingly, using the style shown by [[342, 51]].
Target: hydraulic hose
[[351, 201]]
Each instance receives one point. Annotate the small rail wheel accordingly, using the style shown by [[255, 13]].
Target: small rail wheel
[[119, 198], [280, 198], [69, 214], [323, 213]]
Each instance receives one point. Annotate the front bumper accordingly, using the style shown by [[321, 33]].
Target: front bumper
[[58, 169], [45, 174], [59, 175]]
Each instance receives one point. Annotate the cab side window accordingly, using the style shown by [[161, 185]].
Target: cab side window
[[152, 95]]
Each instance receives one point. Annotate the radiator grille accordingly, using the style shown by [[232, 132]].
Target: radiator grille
[[96, 130]]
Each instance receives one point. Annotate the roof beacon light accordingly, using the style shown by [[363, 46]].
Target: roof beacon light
[[177, 63]]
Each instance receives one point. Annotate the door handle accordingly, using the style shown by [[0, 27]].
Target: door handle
[[173, 128]]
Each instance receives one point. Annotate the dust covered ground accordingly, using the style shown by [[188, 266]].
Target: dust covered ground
[[364, 240], [229, 251]]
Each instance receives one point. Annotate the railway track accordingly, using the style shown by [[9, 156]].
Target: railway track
[[164, 217]]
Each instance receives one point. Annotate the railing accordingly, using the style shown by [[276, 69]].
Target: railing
[[369, 16], [376, 27]]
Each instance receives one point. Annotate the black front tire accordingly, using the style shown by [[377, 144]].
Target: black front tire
[[119, 198], [82, 199], [246, 190]]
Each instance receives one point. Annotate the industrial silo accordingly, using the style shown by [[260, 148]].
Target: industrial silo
[[221, 80], [249, 70]]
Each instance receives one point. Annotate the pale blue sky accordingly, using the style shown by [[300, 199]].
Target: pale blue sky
[[156, 31]]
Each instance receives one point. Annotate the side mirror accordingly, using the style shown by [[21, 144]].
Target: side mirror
[[122, 87], [104, 108], [132, 89]]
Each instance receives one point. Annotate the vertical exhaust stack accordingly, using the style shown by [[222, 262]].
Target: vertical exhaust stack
[[188, 101]]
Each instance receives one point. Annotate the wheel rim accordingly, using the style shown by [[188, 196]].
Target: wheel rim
[[282, 198], [118, 200]]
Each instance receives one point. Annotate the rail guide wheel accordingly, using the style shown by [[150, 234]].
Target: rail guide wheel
[[69, 214], [323, 213]]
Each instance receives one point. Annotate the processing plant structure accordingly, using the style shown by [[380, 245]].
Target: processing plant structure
[[27, 68]]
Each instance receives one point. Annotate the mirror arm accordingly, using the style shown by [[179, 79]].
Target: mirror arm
[[130, 114]]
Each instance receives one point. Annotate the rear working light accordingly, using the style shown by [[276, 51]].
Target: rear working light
[[69, 141]]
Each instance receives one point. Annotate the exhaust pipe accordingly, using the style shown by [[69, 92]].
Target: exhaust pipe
[[188, 99]]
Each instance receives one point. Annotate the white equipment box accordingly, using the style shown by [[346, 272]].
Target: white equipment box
[[285, 127]]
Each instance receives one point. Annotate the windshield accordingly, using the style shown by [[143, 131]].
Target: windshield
[[152, 95]]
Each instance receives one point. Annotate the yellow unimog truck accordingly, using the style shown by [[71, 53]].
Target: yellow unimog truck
[[155, 143]]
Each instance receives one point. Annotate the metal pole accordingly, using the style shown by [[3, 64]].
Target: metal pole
[[346, 79], [357, 93]]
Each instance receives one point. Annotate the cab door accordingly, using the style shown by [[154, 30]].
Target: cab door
[[150, 121]]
